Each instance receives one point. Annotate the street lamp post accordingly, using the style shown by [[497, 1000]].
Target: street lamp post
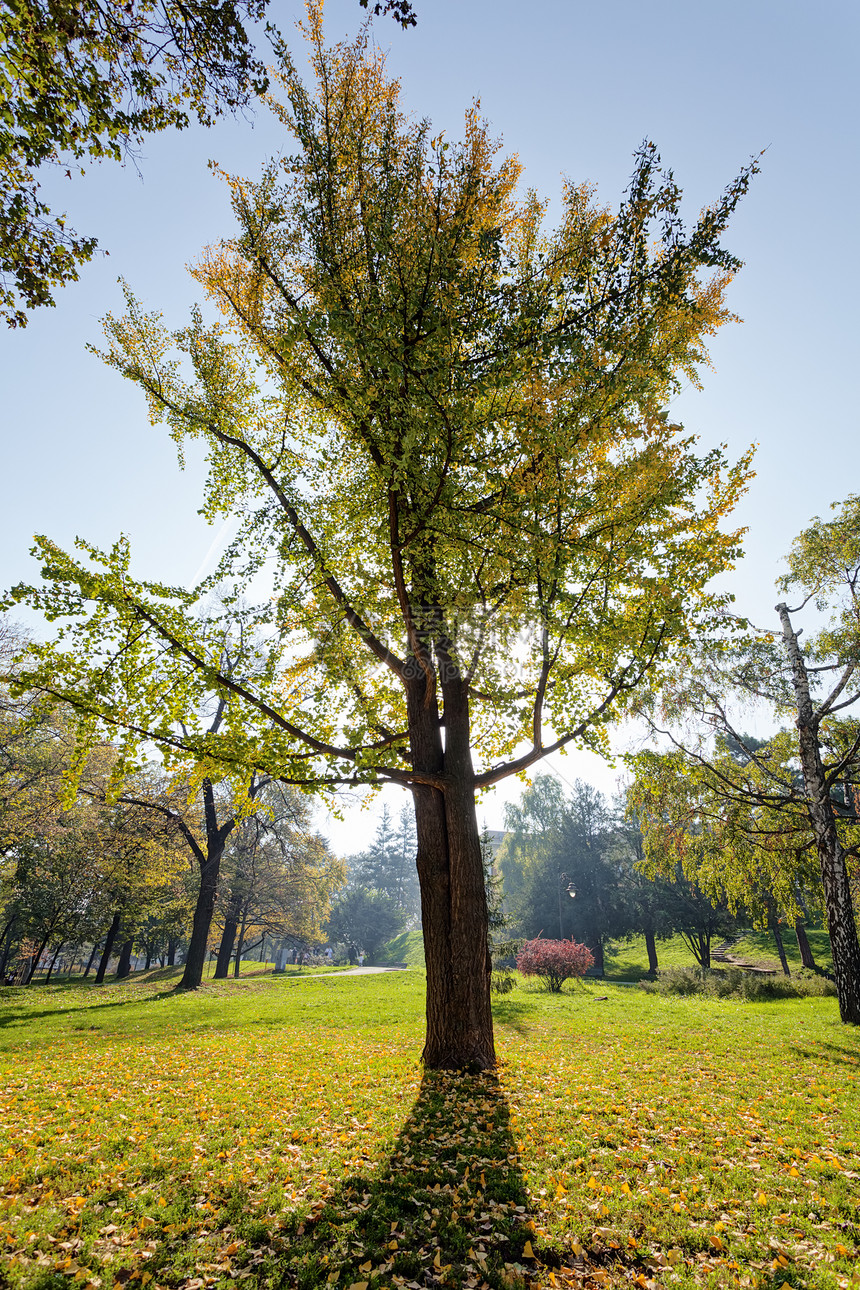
[[565, 886]]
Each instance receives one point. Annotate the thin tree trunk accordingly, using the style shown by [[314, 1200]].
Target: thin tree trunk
[[599, 958], [239, 946], [780, 948], [831, 858], [172, 946], [123, 967], [7, 945], [53, 963], [148, 962], [106, 952], [803, 945], [228, 939], [93, 952], [34, 962], [651, 947]]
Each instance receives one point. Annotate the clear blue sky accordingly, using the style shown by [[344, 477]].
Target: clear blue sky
[[573, 87]]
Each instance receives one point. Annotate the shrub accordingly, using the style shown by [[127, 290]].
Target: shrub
[[554, 961], [735, 983], [502, 980]]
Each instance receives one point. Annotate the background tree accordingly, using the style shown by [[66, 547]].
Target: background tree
[[279, 878], [448, 422], [388, 865], [778, 801], [82, 81], [363, 920]]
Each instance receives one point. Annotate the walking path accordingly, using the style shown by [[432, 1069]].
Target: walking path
[[353, 971]]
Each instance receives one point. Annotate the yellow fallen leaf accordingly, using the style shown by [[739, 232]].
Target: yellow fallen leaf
[[364, 1267], [392, 1245], [592, 1183], [674, 1256], [761, 1199], [437, 1262], [716, 1242], [528, 1252], [841, 1251], [358, 1285]]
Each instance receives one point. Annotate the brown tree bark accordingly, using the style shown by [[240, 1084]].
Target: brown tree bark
[[123, 967], [780, 947], [210, 867], [803, 945], [651, 947], [172, 947], [106, 952], [451, 875], [240, 945], [93, 952], [53, 963], [831, 859], [228, 940]]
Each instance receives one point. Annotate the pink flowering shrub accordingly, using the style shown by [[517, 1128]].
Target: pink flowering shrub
[[554, 961]]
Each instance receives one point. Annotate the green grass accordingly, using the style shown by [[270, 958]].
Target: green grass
[[628, 960], [759, 948], [279, 1132], [406, 948]]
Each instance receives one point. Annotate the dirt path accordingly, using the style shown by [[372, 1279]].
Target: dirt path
[[723, 954]]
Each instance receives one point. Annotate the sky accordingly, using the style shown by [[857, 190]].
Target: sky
[[573, 87]]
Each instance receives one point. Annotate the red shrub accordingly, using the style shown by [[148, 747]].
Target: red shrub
[[554, 961]]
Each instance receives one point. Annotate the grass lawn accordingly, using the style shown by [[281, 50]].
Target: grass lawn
[[280, 1132]]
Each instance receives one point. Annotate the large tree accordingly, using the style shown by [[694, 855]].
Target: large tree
[[443, 429]]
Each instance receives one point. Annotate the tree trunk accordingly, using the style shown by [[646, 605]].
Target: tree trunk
[[195, 958], [599, 957], [123, 967], [93, 952], [831, 858], [148, 962], [106, 952], [239, 946], [451, 877], [228, 939], [172, 946], [651, 947], [53, 963], [780, 948], [803, 945], [34, 962], [7, 945]]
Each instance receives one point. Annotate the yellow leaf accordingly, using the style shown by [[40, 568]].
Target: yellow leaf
[[437, 1262], [364, 1267], [841, 1251], [592, 1183], [528, 1252], [761, 1199], [716, 1242]]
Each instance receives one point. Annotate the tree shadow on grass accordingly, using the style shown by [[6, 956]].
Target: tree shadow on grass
[[449, 1207], [838, 1054]]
